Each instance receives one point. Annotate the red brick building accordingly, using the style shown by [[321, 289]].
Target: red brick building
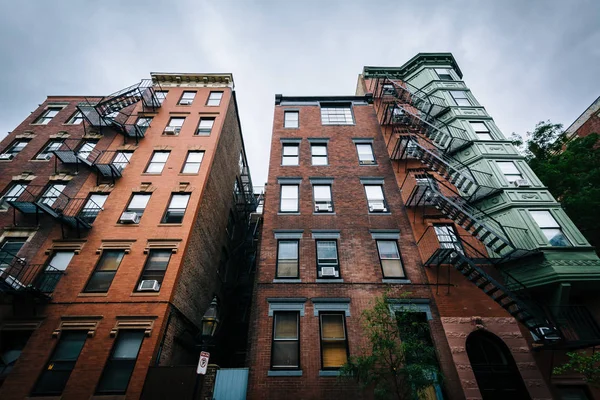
[[410, 188], [116, 238], [588, 122]]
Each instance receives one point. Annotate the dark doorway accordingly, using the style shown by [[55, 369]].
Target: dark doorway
[[494, 367]]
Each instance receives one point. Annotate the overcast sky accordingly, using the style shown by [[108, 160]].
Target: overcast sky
[[525, 61]]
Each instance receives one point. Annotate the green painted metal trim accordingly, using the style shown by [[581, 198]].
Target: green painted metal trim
[[412, 65]]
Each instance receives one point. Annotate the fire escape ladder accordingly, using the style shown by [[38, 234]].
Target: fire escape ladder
[[473, 184], [410, 106], [116, 109], [107, 164]]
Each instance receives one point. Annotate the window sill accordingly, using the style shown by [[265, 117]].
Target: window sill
[[188, 174], [165, 224], [34, 160], [334, 280], [108, 397], [284, 373], [145, 294], [287, 165], [152, 173], [324, 213], [8, 160], [329, 373], [201, 134], [368, 165], [45, 398], [283, 280], [394, 280], [130, 225], [380, 213], [319, 165], [290, 213], [105, 294]]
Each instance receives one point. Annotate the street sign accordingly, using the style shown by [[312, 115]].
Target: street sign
[[203, 363]]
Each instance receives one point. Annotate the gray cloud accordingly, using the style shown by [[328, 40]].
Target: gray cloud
[[525, 61]]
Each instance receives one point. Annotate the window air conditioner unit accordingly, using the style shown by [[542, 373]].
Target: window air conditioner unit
[[149, 286], [521, 183], [329, 272], [367, 162], [45, 156], [377, 207], [323, 207], [171, 130], [6, 156], [185, 102], [129, 218]]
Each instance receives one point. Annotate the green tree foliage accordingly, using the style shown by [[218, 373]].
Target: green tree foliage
[[572, 175], [398, 360], [585, 364]]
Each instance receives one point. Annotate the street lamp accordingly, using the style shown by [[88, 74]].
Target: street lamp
[[210, 320]]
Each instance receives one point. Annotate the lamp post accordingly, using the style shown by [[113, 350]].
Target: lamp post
[[210, 322]]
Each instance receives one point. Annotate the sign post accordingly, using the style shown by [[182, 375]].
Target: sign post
[[203, 363]]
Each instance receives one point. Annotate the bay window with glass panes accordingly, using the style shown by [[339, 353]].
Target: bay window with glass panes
[[550, 228]]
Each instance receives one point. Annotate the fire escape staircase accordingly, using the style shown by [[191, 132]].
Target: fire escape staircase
[[115, 109], [71, 212], [107, 164]]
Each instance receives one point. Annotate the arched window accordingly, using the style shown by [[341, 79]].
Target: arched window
[[495, 370]]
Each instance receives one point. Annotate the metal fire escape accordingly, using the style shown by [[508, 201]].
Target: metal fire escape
[[116, 109], [413, 130], [20, 278]]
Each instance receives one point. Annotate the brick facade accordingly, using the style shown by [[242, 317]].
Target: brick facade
[[191, 278]]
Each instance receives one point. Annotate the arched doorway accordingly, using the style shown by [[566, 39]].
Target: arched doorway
[[494, 367]]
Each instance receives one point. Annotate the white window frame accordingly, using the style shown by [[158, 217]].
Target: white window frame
[[292, 123], [154, 163], [283, 189], [214, 99]]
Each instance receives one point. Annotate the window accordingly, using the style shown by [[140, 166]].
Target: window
[[92, 207], [287, 258], [365, 154], [174, 126], [322, 197], [388, 88], [142, 124], [176, 209], [334, 346], [375, 198], [509, 170], [161, 95], [291, 119], [138, 203], [192, 162], [448, 238], [55, 268], [121, 159], [12, 344], [389, 256], [12, 194], [119, 367], [155, 267], [550, 228], [9, 249], [205, 126], [47, 115], [15, 148], [327, 259], [444, 74], [86, 149], [105, 271], [157, 162], [46, 152], [285, 349], [289, 198], [76, 118], [187, 98], [460, 97], [214, 98], [290, 154], [52, 194], [481, 130], [319, 154], [54, 377], [336, 114]]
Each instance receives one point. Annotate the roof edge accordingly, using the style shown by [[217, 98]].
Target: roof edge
[[412, 64]]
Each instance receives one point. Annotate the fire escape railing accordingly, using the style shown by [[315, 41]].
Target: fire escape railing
[[72, 212], [106, 163], [21, 277], [116, 109], [417, 132]]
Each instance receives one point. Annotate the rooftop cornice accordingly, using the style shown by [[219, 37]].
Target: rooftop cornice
[[302, 99], [413, 64], [193, 79]]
